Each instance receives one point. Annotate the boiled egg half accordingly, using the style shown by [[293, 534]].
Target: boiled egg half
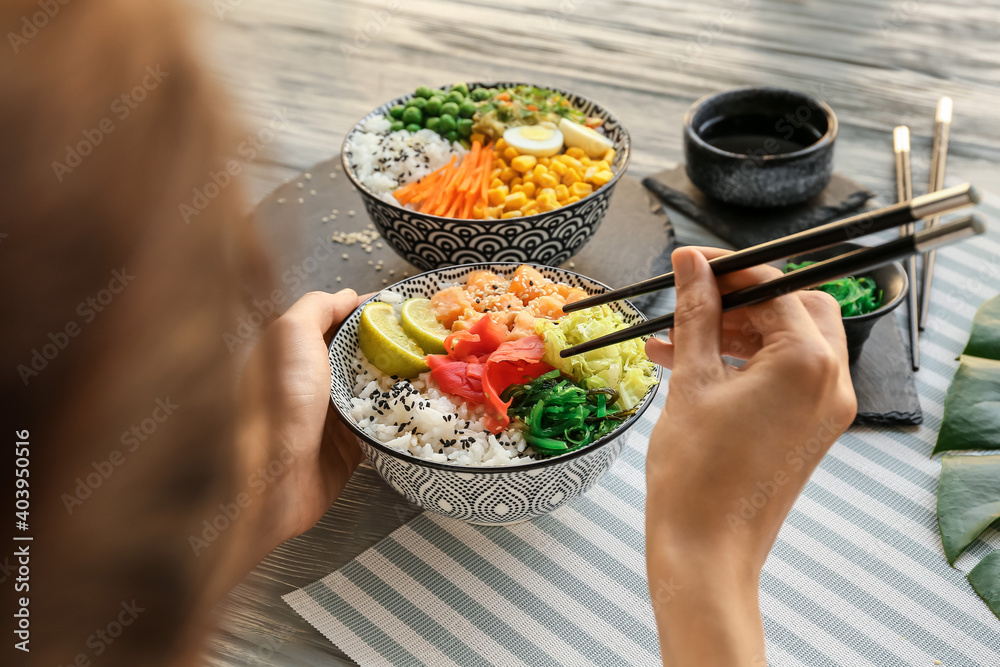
[[591, 142], [542, 140]]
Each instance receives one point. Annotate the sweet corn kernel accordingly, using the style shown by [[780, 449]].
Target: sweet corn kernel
[[530, 209], [515, 201], [494, 211], [544, 161], [570, 161], [545, 205], [609, 155], [575, 151], [570, 177], [557, 167], [499, 164], [562, 193], [496, 183], [547, 180], [586, 161], [517, 180], [539, 170], [524, 162], [572, 200], [511, 214], [495, 173], [496, 196], [602, 177], [547, 192], [478, 210], [507, 175], [589, 174], [500, 145], [581, 190], [476, 136], [528, 188], [510, 153], [602, 164], [517, 188]]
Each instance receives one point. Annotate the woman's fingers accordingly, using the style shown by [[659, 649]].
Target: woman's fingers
[[698, 317]]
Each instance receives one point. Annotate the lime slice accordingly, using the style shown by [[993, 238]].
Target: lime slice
[[420, 324], [385, 344]]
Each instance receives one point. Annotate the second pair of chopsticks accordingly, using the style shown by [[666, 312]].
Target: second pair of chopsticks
[[851, 263], [807, 241]]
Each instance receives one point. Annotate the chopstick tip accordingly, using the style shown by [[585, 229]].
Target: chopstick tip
[[901, 138], [944, 109]]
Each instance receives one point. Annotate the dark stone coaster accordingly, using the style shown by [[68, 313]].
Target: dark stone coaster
[[631, 244], [883, 379], [744, 227]]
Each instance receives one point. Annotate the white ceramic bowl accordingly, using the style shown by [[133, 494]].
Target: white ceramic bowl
[[481, 495]]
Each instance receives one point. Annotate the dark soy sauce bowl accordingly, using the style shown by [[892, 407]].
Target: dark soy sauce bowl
[[760, 147], [890, 278]]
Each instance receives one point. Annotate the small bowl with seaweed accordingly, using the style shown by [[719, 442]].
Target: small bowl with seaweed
[[863, 299]]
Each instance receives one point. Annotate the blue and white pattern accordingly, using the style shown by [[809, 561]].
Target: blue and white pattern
[[430, 241], [857, 578]]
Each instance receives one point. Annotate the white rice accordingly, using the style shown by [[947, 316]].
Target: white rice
[[384, 160], [416, 417]]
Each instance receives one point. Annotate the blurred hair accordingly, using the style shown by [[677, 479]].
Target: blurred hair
[[179, 288]]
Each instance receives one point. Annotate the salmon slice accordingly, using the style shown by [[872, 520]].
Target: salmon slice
[[449, 304], [529, 284], [548, 306]]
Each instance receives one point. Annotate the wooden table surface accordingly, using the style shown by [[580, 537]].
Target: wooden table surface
[[322, 64]]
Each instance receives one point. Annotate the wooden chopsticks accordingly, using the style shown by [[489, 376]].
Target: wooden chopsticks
[[850, 263], [904, 191]]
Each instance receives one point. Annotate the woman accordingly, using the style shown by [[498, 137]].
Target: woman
[[117, 303]]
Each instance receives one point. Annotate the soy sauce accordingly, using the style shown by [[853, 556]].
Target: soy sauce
[[759, 134]]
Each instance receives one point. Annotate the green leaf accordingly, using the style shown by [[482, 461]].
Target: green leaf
[[972, 407], [968, 500], [985, 580], [985, 338]]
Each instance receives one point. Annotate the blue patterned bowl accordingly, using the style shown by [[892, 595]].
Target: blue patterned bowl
[[431, 241], [480, 495]]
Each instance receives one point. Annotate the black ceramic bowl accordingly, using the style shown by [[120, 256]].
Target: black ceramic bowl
[[431, 241], [891, 279], [760, 147]]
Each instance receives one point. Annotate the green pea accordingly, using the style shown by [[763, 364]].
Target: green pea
[[456, 97], [451, 136], [413, 116], [413, 127], [461, 88], [446, 123], [449, 108], [432, 123], [480, 94], [433, 107], [464, 127], [396, 126], [417, 102], [466, 109], [424, 92], [397, 111]]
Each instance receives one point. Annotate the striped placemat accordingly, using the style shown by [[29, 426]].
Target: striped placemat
[[857, 577]]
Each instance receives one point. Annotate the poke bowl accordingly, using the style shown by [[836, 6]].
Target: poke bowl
[[489, 432], [484, 172]]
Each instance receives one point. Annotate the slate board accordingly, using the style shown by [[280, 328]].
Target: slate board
[[632, 243], [744, 227], [882, 376]]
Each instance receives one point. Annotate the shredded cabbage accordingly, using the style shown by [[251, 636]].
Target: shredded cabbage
[[623, 367]]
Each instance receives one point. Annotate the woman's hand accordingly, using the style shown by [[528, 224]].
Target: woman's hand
[[732, 450], [299, 454]]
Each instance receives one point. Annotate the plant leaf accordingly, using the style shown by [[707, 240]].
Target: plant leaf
[[984, 341], [972, 407], [985, 580], [968, 500]]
